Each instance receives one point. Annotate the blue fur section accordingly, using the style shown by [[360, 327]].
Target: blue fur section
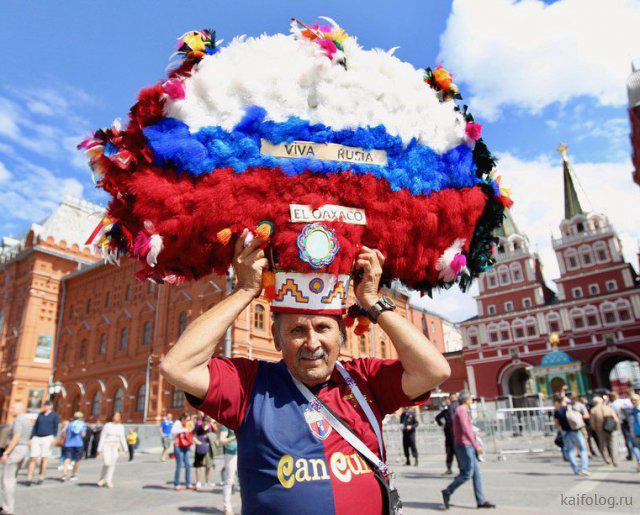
[[413, 167]]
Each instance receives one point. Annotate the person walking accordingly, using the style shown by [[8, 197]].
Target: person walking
[[634, 426], [445, 420], [202, 450], [467, 449], [14, 455], [605, 422], [622, 407], [571, 423], [95, 440], [43, 434], [74, 446], [165, 435], [230, 450], [182, 441], [579, 403], [409, 423], [112, 442], [132, 442]]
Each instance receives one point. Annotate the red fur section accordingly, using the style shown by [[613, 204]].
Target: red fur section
[[412, 231]]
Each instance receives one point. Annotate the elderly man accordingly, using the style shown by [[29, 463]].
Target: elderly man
[[291, 456]]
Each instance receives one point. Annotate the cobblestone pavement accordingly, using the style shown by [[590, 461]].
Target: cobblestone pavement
[[534, 483]]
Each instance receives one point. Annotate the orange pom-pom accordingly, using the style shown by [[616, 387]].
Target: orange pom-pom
[[224, 236], [269, 285], [264, 230], [360, 329]]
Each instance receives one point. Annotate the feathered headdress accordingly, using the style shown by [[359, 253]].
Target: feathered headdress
[[309, 141]]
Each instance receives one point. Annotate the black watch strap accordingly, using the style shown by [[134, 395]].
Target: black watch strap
[[384, 304]]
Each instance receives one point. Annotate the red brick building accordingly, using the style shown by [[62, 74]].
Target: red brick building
[[596, 311], [633, 92]]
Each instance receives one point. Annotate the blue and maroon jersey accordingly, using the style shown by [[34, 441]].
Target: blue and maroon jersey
[[290, 460]]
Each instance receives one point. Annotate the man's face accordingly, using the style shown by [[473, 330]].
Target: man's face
[[310, 345], [635, 400]]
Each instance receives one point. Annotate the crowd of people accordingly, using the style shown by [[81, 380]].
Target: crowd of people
[[588, 429]]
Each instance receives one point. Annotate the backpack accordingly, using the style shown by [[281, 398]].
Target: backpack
[[574, 418], [609, 425]]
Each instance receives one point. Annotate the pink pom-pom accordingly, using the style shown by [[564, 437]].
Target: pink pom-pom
[[474, 131], [329, 47], [174, 88], [142, 244], [458, 263]]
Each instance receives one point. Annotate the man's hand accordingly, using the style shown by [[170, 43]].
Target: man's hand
[[248, 263], [480, 450], [4, 458], [370, 261]]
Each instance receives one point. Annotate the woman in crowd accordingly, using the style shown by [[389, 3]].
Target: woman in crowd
[[203, 457], [182, 436], [230, 446], [112, 441]]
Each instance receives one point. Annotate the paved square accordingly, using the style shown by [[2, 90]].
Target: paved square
[[533, 483]]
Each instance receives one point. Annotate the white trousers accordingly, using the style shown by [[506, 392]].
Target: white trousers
[[230, 468], [109, 457], [9, 476]]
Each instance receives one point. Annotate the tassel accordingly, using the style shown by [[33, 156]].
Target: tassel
[[264, 230], [363, 325], [352, 314], [269, 285], [224, 236]]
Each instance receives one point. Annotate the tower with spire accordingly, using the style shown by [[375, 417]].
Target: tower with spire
[[593, 317]]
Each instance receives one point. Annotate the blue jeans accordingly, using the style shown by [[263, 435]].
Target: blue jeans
[[469, 468], [183, 458], [571, 439], [635, 447]]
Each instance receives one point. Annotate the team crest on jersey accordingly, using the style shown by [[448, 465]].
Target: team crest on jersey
[[317, 423]]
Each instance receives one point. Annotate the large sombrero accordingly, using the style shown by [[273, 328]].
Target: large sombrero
[[313, 141]]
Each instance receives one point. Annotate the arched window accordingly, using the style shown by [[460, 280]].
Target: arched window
[[624, 310], [362, 344], [492, 331], [118, 400], [531, 327], [503, 274], [553, 319], [591, 316], [577, 318], [516, 272], [505, 331], [608, 311], [140, 397], [473, 336], [571, 258], [82, 350], [579, 227], [602, 253], [518, 329], [146, 333], [258, 317], [182, 322], [586, 255], [102, 346], [492, 279], [124, 338], [96, 404]]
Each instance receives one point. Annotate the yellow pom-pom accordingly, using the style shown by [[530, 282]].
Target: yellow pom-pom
[[224, 236], [264, 230], [269, 285]]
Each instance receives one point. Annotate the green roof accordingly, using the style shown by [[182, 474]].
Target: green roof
[[507, 227], [572, 205]]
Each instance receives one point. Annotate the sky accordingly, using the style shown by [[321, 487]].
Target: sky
[[533, 73]]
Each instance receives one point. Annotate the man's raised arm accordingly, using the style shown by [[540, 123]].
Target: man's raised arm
[[185, 365], [424, 366]]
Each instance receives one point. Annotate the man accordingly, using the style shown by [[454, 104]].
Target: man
[[579, 403], [634, 425], [604, 422], [409, 423], [74, 446], [165, 435], [14, 455], [96, 434], [290, 459], [622, 407], [571, 438], [467, 449], [43, 433], [445, 420]]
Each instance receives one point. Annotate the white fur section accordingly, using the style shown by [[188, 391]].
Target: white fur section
[[292, 77], [156, 247]]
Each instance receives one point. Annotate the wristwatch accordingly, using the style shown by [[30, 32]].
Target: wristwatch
[[384, 304]]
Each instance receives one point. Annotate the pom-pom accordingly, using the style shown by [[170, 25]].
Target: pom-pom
[[269, 285], [224, 236], [155, 247], [449, 264], [363, 325], [473, 131], [264, 230]]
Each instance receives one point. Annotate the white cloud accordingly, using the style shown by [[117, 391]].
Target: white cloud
[[530, 54], [4, 173], [537, 189]]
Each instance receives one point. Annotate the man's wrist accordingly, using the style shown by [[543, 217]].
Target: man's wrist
[[368, 302]]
